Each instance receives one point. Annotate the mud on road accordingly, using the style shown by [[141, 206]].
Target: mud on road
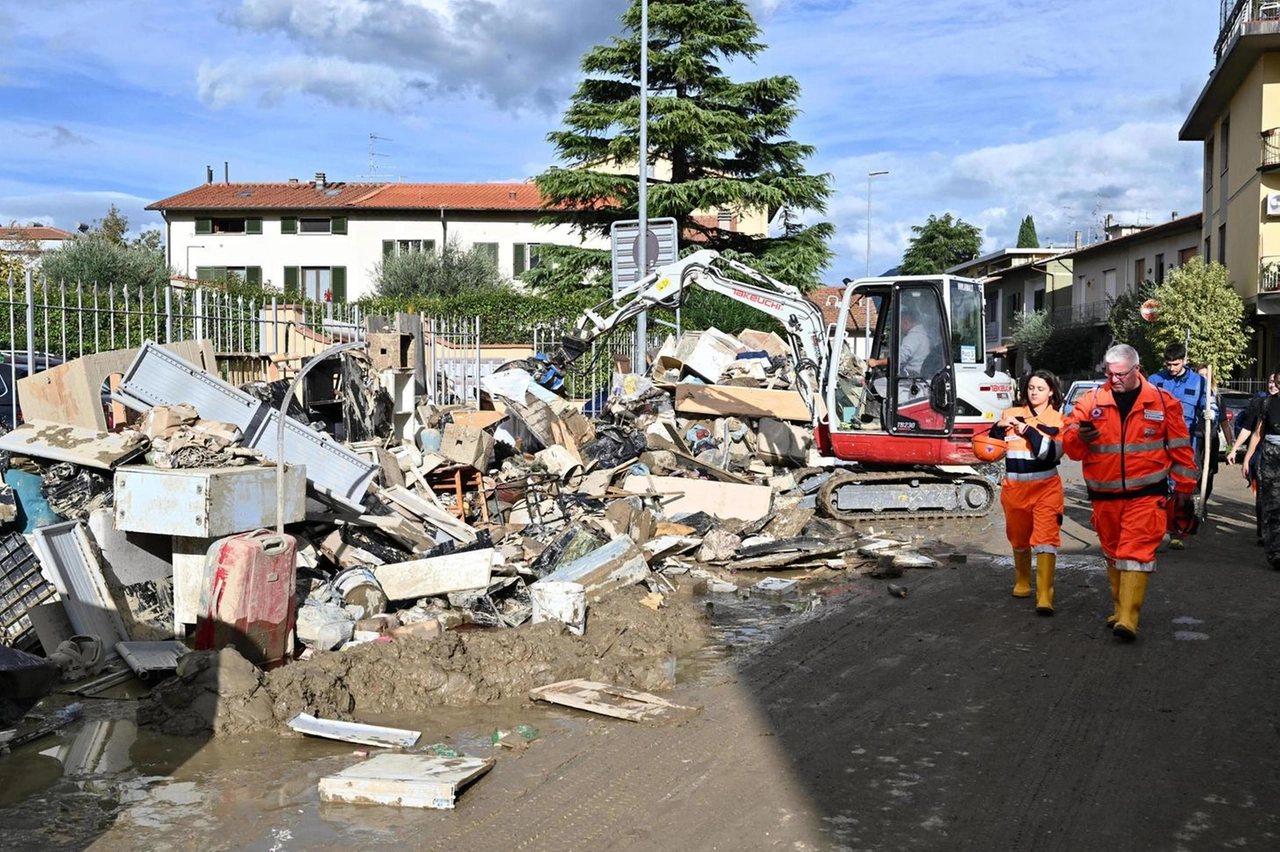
[[950, 719]]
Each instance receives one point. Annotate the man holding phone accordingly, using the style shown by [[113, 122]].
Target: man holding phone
[[1131, 439]]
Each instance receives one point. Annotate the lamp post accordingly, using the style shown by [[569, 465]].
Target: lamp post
[[642, 261], [188, 266], [870, 175], [866, 299]]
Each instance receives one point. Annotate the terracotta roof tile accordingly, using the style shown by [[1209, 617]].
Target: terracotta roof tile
[[364, 196], [34, 232]]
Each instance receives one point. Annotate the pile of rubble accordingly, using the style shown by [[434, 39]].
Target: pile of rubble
[[423, 519]]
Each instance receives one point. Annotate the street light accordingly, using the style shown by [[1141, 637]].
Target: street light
[[870, 175], [866, 298], [188, 266]]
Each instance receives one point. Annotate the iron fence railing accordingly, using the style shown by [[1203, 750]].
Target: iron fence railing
[[590, 376]]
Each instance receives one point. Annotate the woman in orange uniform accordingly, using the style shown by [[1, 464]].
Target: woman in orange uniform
[[1032, 490]]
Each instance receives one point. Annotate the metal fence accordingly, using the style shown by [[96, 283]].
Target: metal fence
[[590, 376]]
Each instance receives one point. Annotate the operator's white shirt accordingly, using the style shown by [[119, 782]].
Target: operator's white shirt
[[912, 351]]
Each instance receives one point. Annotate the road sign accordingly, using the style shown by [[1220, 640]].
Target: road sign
[[661, 247]]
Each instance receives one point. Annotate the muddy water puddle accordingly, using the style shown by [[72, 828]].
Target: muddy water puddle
[[103, 783]]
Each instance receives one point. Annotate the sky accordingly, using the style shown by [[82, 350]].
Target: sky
[[989, 111]]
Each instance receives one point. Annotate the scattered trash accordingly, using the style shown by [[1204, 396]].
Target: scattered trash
[[616, 701], [354, 732], [407, 780], [897, 591]]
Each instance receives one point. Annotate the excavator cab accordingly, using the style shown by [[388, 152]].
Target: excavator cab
[[898, 386]]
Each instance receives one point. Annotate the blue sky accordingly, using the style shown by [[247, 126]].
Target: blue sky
[[986, 110]]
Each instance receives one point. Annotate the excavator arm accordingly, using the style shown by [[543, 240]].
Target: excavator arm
[[665, 288]]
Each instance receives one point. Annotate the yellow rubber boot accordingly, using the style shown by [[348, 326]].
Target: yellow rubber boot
[[1022, 573], [1113, 577], [1046, 563], [1133, 588]]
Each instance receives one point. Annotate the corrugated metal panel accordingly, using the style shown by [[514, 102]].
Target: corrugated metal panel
[[69, 561]]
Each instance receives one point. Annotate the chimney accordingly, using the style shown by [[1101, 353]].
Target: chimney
[[293, 181], [1173, 215], [226, 172], [320, 180], [1078, 235], [208, 174], [1107, 223]]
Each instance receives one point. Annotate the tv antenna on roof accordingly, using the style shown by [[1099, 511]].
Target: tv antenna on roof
[[374, 155]]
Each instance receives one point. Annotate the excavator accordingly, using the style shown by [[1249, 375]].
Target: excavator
[[896, 437]]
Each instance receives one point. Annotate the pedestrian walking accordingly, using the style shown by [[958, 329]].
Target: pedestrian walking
[[1188, 388], [1264, 444], [1032, 491], [1131, 439], [1243, 425]]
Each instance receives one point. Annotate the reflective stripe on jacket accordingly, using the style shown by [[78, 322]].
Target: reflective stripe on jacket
[[1136, 457], [1034, 454]]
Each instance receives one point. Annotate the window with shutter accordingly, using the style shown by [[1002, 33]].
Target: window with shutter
[[253, 275], [388, 248], [489, 250], [288, 224], [253, 226], [291, 285], [338, 225], [517, 259], [204, 226], [204, 273], [338, 283]]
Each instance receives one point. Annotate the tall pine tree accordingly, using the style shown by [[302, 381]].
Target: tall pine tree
[[726, 143], [1027, 234]]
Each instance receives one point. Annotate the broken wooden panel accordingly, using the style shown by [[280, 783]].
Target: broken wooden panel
[[437, 575], [354, 732], [619, 563], [721, 500], [620, 702], [71, 393], [43, 439], [408, 780], [734, 401]]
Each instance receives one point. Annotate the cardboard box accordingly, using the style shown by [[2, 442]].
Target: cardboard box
[[714, 351], [733, 401], [467, 445]]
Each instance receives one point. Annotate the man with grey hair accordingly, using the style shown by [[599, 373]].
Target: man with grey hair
[[1131, 439]]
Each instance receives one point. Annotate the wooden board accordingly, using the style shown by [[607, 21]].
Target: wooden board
[[620, 702], [719, 499], [733, 401], [354, 732], [408, 780]]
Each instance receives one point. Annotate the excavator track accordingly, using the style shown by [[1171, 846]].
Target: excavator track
[[906, 494]]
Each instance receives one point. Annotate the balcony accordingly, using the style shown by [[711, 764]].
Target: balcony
[[1269, 275], [1246, 17], [1270, 148], [1093, 313]]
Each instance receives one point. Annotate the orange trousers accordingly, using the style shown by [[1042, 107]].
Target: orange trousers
[[1130, 531], [1033, 514]]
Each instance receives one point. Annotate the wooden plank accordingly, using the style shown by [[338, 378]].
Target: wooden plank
[[478, 419], [619, 702], [431, 514], [43, 439], [438, 575], [721, 500], [354, 732], [734, 401], [408, 780]]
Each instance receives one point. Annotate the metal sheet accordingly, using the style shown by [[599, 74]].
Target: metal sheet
[[205, 502], [147, 658], [354, 732], [158, 377], [69, 561], [86, 447]]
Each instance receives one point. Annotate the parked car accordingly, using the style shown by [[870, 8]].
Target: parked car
[[1077, 390], [14, 366]]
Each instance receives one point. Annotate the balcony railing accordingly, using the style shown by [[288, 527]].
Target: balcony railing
[[1269, 275], [1271, 147], [1090, 312]]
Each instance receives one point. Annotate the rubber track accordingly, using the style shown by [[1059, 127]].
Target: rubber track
[[826, 494]]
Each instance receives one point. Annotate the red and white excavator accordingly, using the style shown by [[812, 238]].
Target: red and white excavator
[[897, 439]]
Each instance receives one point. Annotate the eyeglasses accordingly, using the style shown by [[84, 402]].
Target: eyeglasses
[[1120, 376]]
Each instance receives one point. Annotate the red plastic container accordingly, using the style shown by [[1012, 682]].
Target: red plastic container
[[247, 599]]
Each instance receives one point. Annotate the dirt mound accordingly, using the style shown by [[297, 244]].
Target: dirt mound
[[626, 643]]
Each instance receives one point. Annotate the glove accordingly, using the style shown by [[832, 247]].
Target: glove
[[1181, 499]]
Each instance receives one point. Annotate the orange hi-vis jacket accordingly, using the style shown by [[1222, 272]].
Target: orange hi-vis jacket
[[1134, 458], [1034, 455]]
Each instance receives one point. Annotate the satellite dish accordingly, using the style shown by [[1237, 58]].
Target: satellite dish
[[1150, 310]]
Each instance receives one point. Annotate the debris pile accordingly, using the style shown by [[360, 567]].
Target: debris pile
[[405, 521]]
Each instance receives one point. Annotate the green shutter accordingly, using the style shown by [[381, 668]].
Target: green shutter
[[204, 273], [253, 274], [338, 283], [288, 224], [388, 248], [253, 226], [338, 225], [291, 282], [517, 259], [219, 273], [204, 226], [429, 246]]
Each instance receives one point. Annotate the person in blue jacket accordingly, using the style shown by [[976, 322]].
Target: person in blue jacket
[[1187, 387]]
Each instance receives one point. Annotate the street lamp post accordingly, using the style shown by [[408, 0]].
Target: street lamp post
[[188, 266], [866, 299], [642, 260]]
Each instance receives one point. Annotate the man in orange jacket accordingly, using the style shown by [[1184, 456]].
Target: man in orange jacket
[[1131, 439]]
